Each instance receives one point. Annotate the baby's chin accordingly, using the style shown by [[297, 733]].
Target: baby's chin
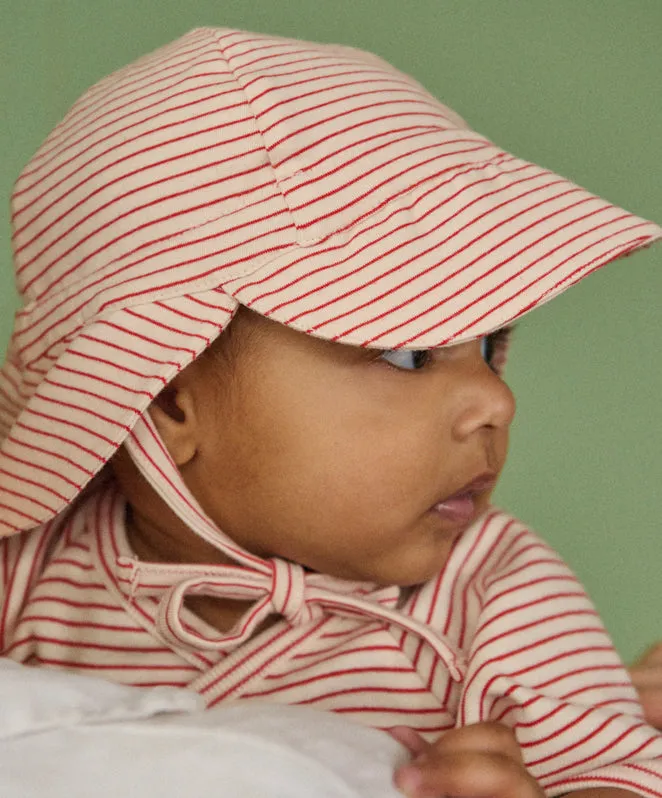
[[383, 577], [407, 558], [404, 572], [423, 562]]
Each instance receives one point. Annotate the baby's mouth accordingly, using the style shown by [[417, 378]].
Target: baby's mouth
[[461, 506]]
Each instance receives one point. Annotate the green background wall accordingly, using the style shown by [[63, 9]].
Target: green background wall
[[572, 84]]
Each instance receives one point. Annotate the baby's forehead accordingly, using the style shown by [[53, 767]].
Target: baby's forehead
[[251, 335]]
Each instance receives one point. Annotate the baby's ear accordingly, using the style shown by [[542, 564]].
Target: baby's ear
[[173, 414]]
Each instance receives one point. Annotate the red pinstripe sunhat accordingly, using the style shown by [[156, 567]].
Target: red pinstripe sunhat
[[312, 183]]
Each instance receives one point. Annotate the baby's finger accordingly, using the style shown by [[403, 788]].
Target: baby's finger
[[488, 737], [411, 739], [651, 701], [652, 656], [467, 775], [646, 676]]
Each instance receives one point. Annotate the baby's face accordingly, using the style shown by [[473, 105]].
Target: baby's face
[[341, 459]]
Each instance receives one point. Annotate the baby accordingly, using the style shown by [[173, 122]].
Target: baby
[[253, 413]]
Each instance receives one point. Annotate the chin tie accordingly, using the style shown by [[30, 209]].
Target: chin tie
[[269, 587]]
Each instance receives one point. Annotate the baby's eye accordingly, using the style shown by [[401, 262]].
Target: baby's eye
[[407, 359], [493, 347], [486, 346]]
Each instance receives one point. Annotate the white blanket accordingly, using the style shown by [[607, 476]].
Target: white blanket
[[69, 736]]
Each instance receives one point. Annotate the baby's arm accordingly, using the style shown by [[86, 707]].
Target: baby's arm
[[541, 662], [479, 761]]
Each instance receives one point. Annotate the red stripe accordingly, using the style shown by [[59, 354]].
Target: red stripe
[[25, 497], [497, 306], [480, 567], [528, 604], [484, 275], [111, 383], [63, 144], [347, 89], [36, 562], [61, 421], [84, 605], [85, 645], [82, 110], [410, 132], [394, 126], [514, 652], [209, 164], [81, 665], [366, 263], [33, 447], [610, 745], [153, 274], [9, 579], [33, 482], [340, 115], [125, 234], [120, 348], [241, 662], [162, 327], [120, 138], [340, 651], [408, 171], [328, 675]]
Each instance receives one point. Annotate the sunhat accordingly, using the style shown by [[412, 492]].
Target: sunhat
[[314, 184]]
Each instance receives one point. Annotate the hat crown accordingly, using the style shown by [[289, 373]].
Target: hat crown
[[140, 157], [207, 124]]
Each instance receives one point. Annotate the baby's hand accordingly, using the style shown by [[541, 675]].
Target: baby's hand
[[479, 761], [646, 674]]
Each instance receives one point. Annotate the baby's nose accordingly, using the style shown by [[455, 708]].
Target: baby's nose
[[486, 402]]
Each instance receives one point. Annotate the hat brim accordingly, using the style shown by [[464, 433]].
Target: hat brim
[[449, 262]]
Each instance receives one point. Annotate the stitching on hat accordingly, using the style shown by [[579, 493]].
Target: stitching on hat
[[239, 82], [346, 232], [287, 182], [89, 312], [449, 176]]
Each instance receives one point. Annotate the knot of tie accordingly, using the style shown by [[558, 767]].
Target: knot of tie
[[280, 589], [289, 595]]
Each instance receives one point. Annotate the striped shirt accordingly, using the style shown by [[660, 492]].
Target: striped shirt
[[525, 646]]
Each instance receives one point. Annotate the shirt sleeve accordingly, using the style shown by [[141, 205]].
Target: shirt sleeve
[[541, 662]]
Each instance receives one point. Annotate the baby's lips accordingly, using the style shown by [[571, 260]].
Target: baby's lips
[[459, 508]]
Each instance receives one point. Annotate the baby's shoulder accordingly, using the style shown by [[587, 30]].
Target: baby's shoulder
[[497, 561], [496, 545]]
